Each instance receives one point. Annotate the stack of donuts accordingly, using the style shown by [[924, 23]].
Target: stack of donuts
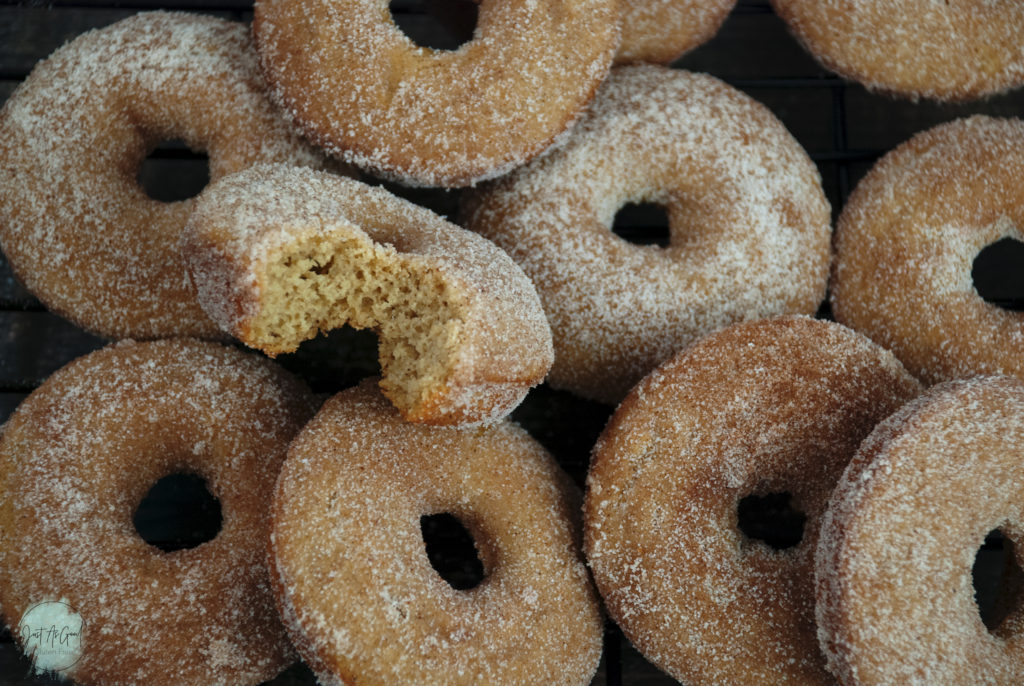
[[896, 430]]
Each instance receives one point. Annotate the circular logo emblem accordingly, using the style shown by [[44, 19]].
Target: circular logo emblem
[[51, 634]]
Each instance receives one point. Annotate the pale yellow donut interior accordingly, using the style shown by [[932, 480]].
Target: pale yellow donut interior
[[321, 282]]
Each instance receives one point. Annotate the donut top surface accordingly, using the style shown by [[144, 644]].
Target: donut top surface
[[363, 90], [354, 583], [896, 599], [748, 221], [950, 50], [773, 406], [76, 459], [75, 224], [907, 239]]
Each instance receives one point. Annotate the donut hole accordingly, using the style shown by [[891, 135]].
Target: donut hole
[[435, 24], [998, 579], [178, 512], [452, 551], [998, 274], [172, 172], [771, 519], [642, 223]]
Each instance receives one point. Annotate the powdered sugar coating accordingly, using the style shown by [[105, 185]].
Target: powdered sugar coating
[[947, 50], [77, 457], [663, 30], [895, 595], [502, 343], [749, 225], [353, 581], [365, 92], [75, 224], [906, 243], [765, 407]]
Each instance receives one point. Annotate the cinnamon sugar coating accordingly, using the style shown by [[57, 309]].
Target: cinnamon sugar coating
[[663, 30], [281, 253], [358, 595], [749, 225], [75, 225], [906, 243], [81, 452], [954, 50], [894, 564], [365, 92], [775, 406]]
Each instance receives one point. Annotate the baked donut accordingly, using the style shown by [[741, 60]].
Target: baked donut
[[362, 90], [893, 567], [280, 253], [358, 595], [77, 457], [906, 242], [749, 225], [955, 50], [774, 406], [662, 30], [76, 226]]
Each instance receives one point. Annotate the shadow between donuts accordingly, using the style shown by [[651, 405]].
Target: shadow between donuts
[[451, 550], [770, 519], [172, 172], [435, 24], [642, 223], [998, 274], [998, 579], [178, 512]]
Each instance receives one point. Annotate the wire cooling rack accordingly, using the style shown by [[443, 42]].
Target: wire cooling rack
[[843, 127]]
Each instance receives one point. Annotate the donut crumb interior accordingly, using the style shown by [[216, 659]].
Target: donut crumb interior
[[322, 282]]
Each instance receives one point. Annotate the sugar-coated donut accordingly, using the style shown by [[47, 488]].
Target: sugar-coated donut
[[663, 30], [279, 253], [894, 583], [952, 51], [361, 89], [906, 242], [748, 220], [358, 595], [77, 457], [764, 407], [76, 226]]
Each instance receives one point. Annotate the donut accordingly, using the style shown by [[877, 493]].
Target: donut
[[661, 31], [906, 242], [356, 590], [774, 406], [362, 90], [77, 457], [895, 600], [948, 51], [77, 228], [749, 225], [279, 253]]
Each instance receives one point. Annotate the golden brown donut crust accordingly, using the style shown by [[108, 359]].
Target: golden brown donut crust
[[954, 50], [663, 30], [353, 582], [463, 334], [895, 596], [906, 242], [765, 407], [81, 452], [363, 90], [748, 220], [77, 228]]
